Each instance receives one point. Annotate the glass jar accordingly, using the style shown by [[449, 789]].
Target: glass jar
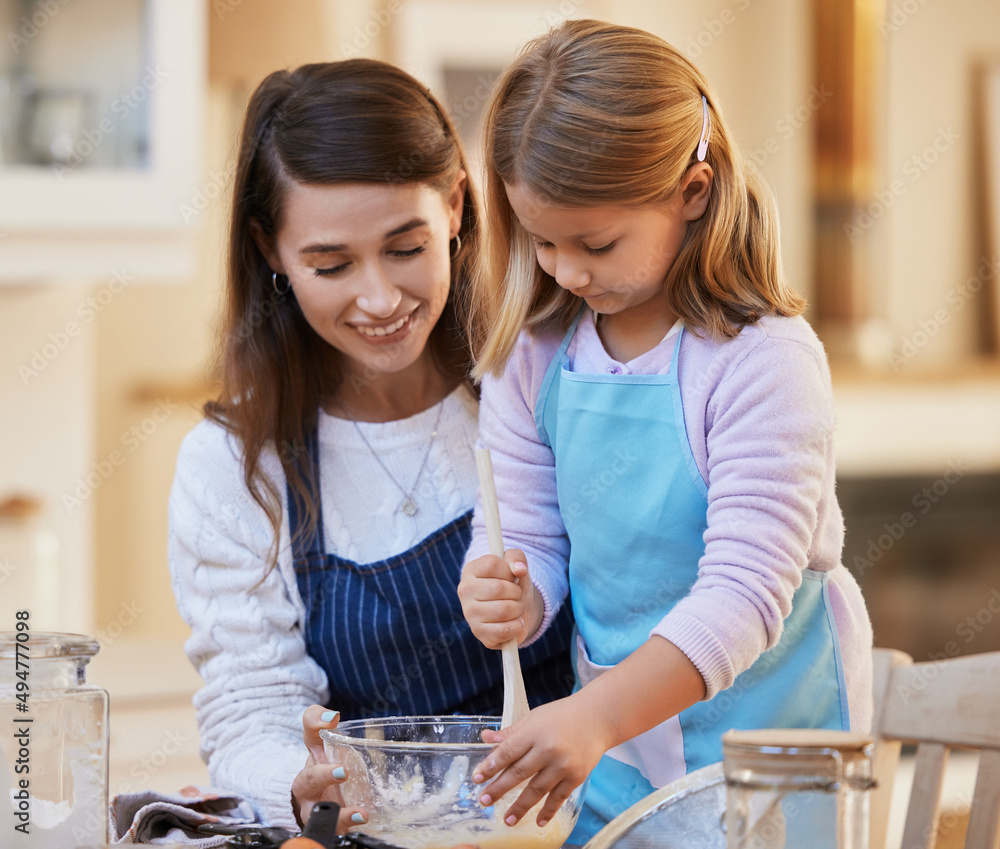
[[54, 739], [797, 789]]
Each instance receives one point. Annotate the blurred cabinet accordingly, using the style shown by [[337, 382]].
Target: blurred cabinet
[[101, 138]]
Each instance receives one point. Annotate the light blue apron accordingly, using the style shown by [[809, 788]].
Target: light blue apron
[[635, 509]]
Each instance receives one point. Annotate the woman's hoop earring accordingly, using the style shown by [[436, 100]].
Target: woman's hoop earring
[[284, 287], [458, 246]]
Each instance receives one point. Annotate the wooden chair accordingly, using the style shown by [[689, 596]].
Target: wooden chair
[[886, 751], [938, 705]]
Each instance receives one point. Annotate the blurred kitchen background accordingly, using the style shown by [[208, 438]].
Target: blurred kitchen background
[[877, 123]]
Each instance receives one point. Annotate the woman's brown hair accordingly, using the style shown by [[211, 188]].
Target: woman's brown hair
[[357, 121], [593, 114]]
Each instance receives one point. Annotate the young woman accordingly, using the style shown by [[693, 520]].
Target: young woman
[[321, 512]]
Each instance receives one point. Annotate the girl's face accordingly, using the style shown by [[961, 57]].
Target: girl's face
[[615, 258], [369, 265]]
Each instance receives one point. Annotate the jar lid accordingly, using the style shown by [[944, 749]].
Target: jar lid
[[799, 741], [48, 644]]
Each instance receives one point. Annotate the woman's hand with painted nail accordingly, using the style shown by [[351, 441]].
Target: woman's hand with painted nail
[[553, 749], [319, 781], [498, 599]]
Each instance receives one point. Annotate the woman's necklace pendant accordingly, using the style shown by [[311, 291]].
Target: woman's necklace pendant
[[408, 506]]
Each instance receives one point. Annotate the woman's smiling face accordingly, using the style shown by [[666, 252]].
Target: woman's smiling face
[[369, 265]]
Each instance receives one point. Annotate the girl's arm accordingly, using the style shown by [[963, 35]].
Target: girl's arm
[[767, 423], [245, 638], [557, 745], [524, 471]]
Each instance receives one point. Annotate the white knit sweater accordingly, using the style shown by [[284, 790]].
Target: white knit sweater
[[246, 640]]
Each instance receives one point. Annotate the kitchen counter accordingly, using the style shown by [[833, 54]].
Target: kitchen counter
[[891, 425]]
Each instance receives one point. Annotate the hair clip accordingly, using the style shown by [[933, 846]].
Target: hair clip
[[706, 130]]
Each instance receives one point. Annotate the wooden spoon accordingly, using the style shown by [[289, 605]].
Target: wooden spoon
[[515, 702]]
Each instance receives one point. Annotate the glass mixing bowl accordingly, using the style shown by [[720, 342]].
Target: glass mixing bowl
[[413, 775]]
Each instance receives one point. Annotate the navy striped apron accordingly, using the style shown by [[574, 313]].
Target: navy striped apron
[[391, 636]]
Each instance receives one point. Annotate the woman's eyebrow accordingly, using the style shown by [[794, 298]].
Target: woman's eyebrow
[[406, 227], [412, 224], [323, 249]]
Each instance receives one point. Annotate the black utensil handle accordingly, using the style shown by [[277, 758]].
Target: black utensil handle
[[322, 824]]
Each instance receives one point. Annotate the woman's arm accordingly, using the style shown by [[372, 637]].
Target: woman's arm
[[246, 640]]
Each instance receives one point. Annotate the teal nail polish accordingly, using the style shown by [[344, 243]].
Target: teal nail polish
[[329, 715], [358, 819], [339, 773]]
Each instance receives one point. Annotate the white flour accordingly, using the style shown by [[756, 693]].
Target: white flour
[[409, 817], [61, 824]]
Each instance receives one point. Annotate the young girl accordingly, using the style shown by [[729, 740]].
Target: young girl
[[661, 425], [320, 514]]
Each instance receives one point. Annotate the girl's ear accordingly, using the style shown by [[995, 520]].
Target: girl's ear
[[696, 189], [266, 245]]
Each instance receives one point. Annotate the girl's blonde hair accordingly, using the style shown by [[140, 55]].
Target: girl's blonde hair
[[594, 114]]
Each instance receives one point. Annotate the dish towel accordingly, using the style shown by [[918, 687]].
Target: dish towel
[[173, 818]]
